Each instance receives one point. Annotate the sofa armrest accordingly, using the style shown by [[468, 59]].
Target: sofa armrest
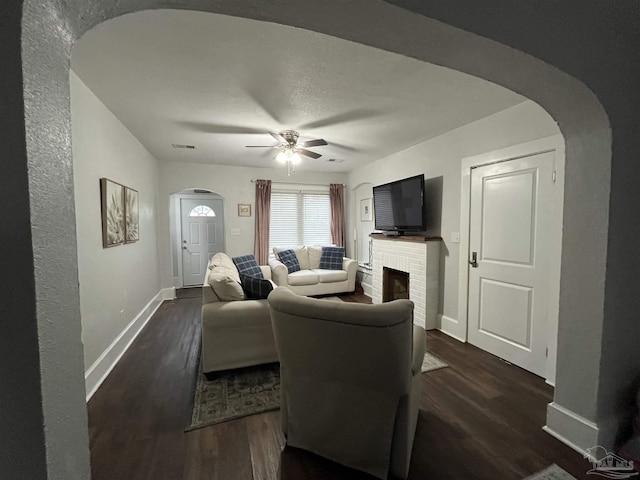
[[419, 347], [349, 265], [279, 272], [266, 271]]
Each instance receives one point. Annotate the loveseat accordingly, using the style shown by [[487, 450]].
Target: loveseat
[[236, 331], [310, 278]]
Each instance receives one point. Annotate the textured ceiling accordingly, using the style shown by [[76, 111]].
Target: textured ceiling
[[221, 83]]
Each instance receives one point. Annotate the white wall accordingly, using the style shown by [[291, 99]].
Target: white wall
[[440, 157], [235, 186], [116, 283]]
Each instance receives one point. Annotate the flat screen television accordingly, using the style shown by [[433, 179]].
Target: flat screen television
[[399, 206]]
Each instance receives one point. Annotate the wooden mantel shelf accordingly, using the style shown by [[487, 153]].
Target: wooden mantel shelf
[[405, 238]]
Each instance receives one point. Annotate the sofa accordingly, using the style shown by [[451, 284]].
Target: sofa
[[351, 379], [236, 331], [310, 279]]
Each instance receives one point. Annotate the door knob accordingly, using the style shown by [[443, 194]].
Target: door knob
[[474, 260]]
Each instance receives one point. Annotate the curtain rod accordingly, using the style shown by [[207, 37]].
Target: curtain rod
[[253, 180]]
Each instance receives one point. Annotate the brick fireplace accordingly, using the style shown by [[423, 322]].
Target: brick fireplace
[[418, 260]]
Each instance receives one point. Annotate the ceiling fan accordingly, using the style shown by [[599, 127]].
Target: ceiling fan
[[288, 141]]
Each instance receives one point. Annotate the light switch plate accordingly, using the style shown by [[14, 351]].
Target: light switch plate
[[455, 237]]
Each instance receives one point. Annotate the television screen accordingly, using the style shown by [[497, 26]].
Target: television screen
[[399, 205]]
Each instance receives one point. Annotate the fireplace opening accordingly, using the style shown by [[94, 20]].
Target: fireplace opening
[[395, 284]]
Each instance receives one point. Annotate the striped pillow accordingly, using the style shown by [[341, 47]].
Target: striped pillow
[[331, 258], [255, 288], [248, 265], [289, 258]]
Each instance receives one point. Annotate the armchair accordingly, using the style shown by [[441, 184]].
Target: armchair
[[350, 379]]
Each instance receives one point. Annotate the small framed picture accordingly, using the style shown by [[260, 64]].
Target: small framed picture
[[366, 210], [244, 209]]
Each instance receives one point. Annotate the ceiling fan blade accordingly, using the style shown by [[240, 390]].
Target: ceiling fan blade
[[314, 143], [279, 138], [217, 128], [308, 153], [352, 116]]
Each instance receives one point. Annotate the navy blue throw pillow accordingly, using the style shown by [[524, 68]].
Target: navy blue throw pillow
[[288, 257], [247, 265], [331, 258], [255, 288]]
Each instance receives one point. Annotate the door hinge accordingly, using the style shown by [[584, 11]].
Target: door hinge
[[553, 176], [546, 352]]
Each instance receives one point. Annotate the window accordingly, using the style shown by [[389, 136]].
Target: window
[[202, 211], [299, 218]]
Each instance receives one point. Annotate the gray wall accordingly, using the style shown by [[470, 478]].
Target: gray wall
[[596, 42], [21, 434], [42, 291]]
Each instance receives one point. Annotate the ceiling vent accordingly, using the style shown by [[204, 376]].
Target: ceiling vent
[[334, 160], [183, 146]]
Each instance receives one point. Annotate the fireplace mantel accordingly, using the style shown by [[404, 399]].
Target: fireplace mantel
[[420, 258], [405, 238]]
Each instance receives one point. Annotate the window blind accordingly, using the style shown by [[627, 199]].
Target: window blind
[[300, 218]]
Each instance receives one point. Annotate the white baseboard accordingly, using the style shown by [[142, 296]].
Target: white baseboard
[[570, 428], [450, 326], [368, 289], [96, 373]]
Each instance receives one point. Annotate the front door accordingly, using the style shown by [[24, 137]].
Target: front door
[[511, 249], [202, 236]]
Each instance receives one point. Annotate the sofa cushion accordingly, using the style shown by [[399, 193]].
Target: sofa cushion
[[329, 276], [315, 253], [225, 286], [223, 260], [303, 277], [255, 288], [248, 265], [290, 260], [332, 258]]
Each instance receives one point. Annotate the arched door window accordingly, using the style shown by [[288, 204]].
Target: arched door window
[[202, 211]]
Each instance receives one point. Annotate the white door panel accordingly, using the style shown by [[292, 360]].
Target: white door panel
[[508, 212], [510, 225], [202, 236]]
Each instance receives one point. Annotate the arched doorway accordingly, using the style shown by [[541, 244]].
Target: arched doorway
[[42, 57]]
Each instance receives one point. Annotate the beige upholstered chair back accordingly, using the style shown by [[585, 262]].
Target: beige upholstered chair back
[[345, 369]]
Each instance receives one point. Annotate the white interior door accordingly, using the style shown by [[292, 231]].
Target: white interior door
[[510, 239], [202, 236]]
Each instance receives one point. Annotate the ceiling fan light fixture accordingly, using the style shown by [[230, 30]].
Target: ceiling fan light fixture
[[282, 157], [295, 158]]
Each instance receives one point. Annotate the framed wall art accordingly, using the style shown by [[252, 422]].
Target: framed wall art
[[113, 216], [131, 213], [244, 209], [366, 210]]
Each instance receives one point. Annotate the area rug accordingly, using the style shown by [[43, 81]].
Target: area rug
[[234, 394], [246, 391], [553, 472], [431, 362]]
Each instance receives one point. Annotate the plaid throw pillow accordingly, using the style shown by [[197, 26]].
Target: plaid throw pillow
[[255, 288], [331, 258], [247, 265], [288, 257]]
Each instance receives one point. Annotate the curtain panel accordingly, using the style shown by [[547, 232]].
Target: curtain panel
[[263, 213], [336, 196]]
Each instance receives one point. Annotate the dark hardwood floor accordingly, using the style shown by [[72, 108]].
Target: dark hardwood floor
[[480, 418]]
